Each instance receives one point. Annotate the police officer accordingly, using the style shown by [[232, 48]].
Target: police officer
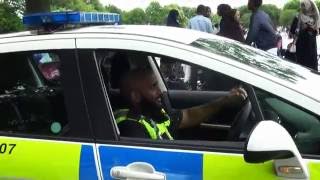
[[146, 118]]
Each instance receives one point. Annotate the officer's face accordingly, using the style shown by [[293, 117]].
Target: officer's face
[[150, 91]]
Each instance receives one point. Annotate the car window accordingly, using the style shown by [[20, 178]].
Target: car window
[[182, 76], [303, 126], [31, 95], [216, 128]]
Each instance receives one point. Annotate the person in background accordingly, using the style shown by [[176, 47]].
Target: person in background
[[261, 30], [232, 28], [208, 12], [200, 22], [172, 19], [222, 11], [305, 28]]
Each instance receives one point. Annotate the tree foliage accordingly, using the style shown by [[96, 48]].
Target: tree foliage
[[293, 4], [10, 12], [287, 16], [135, 16]]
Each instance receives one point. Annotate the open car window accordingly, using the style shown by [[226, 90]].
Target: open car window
[[113, 64]]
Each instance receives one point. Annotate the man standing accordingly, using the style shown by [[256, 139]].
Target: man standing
[[261, 31], [200, 22]]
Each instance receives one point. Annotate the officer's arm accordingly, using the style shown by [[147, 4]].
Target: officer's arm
[[198, 114]]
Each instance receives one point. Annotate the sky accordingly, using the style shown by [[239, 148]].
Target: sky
[[128, 5]]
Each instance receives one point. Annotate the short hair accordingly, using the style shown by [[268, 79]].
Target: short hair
[[129, 81], [223, 9], [201, 9], [256, 3]]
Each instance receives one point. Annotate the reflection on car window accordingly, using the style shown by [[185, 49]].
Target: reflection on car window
[[182, 76], [29, 103], [255, 58], [48, 65], [304, 127]]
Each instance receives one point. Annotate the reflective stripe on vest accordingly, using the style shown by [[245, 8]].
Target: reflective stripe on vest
[[155, 130]]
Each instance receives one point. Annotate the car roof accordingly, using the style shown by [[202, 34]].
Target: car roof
[[180, 35]]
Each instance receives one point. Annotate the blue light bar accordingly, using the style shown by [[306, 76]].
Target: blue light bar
[[65, 18]]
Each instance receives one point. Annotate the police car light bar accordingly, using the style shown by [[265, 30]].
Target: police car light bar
[[73, 18]]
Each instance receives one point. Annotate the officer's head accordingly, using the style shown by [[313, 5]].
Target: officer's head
[[254, 4], [140, 88]]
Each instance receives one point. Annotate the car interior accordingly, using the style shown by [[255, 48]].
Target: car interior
[[28, 102], [232, 124]]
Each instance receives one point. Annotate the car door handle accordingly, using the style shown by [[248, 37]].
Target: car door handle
[[136, 170]]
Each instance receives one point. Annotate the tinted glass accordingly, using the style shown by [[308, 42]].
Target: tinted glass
[[31, 96]]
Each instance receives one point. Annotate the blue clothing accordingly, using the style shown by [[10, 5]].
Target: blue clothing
[[261, 31], [200, 23]]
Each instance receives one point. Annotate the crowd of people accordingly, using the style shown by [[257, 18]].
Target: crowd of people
[[262, 32]]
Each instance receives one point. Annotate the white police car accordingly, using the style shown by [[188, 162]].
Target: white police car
[[58, 91]]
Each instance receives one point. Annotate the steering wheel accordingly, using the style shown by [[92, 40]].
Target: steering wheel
[[240, 121]]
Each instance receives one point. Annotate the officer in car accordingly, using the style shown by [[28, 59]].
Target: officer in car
[[145, 116]]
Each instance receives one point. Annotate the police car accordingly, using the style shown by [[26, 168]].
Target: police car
[[59, 89]]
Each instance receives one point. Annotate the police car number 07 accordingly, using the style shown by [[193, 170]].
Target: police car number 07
[[6, 148]]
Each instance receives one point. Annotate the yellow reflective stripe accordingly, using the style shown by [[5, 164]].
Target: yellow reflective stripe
[[121, 115], [219, 166], [314, 169], [149, 128], [50, 160], [163, 129]]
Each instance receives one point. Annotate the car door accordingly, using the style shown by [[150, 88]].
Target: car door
[[44, 130], [125, 157]]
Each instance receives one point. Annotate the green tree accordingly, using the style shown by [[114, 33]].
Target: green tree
[[18, 6], [9, 19], [287, 16], [189, 12], [245, 19], [112, 9], [155, 13], [71, 5], [293, 4], [135, 16], [97, 5]]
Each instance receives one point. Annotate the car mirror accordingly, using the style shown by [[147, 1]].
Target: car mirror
[[270, 141]]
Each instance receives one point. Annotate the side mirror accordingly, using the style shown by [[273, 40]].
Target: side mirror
[[270, 141]]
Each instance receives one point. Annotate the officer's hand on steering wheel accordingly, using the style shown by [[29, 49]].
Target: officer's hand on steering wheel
[[236, 96]]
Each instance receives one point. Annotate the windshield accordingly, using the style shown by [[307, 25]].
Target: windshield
[[257, 59]]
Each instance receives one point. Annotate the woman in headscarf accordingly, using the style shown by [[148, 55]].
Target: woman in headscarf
[[172, 19], [306, 30], [223, 10], [232, 26]]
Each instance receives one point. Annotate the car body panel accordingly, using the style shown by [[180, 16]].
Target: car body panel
[[50, 159], [183, 164]]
